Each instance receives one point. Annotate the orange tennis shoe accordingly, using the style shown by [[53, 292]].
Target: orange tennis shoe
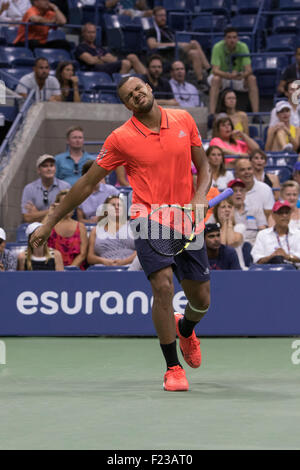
[[190, 347], [175, 380]]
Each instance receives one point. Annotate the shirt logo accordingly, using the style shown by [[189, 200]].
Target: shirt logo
[[181, 134], [102, 154]]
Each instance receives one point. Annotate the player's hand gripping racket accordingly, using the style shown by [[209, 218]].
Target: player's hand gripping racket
[[171, 228]]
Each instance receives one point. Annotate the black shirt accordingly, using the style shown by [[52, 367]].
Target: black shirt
[[94, 51], [227, 259], [167, 35], [163, 90], [291, 73]]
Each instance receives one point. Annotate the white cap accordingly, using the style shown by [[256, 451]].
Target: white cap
[[2, 234], [43, 158], [32, 227], [280, 105]]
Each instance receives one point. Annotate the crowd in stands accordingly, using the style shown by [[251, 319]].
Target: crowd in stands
[[259, 224]]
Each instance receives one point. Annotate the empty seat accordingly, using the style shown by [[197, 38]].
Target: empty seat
[[55, 34], [209, 23], [11, 77], [95, 80], [8, 34], [179, 5], [281, 43], [123, 33], [54, 56], [248, 6], [244, 22], [21, 235], [267, 70], [289, 5], [15, 56], [9, 112], [286, 24], [216, 6]]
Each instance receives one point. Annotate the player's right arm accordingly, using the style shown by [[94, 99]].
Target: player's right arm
[[77, 194]]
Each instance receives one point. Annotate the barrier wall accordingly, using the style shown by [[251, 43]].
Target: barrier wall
[[110, 303]]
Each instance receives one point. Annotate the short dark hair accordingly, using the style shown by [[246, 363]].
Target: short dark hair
[[288, 82], [230, 29], [260, 152], [154, 57], [123, 81], [38, 59], [157, 9]]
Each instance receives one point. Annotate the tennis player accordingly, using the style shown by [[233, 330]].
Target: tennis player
[[156, 147]]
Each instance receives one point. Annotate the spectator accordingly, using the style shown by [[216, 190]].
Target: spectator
[[289, 192], [296, 175], [216, 159], [161, 87], [184, 92], [111, 243], [259, 194], [41, 193], [13, 10], [69, 164], [40, 13], [161, 37], [212, 192], [69, 238], [46, 87], [252, 218], [122, 179], [92, 57], [68, 82], [258, 159], [86, 212], [278, 244], [8, 261], [228, 106], [231, 233], [283, 136], [230, 141], [219, 256], [292, 72], [132, 8], [41, 258], [240, 78], [291, 92]]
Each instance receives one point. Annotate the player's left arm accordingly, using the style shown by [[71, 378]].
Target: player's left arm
[[203, 177]]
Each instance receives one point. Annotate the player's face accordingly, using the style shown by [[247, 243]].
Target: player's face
[[231, 40], [215, 158], [213, 240], [290, 195], [239, 194], [42, 69], [76, 139], [258, 162], [178, 72], [47, 169], [161, 18], [244, 171], [137, 96]]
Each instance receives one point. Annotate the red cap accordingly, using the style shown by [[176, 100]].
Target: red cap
[[279, 204], [236, 181]]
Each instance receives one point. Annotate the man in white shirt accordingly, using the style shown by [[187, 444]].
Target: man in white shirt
[[47, 87], [185, 93], [13, 10], [277, 244], [254, 219], [259, 195]]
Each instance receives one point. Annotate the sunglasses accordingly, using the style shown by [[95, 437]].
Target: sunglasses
[[45, 197]]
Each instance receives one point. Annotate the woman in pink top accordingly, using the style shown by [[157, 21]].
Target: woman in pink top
[[231, 141]]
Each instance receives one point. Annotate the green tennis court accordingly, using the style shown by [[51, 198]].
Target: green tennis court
[[106, 393]]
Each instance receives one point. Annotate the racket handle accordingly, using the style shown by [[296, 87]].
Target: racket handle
[[220, 197]]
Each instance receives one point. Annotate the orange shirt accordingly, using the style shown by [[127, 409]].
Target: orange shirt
[[213, 192], [158, 164], [38, 32]]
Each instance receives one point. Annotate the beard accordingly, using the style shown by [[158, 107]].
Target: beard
[[146, 107]]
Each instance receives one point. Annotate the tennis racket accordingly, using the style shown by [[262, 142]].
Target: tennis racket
[[171, 227]]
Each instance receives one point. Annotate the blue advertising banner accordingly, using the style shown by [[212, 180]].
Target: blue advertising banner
[[119, 303]]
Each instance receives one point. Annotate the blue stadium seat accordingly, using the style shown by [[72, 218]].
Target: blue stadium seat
[[12, 76], [205, 23], [267, 70], [244, 22], [54, 56], [111, 178], [218, 7], [10, 112], [253, 132], [8, 34], [285, 174], [286, 24], [289, 5], [108, 98], [272, 267], [95, 80], [21, 235], [123, 33], [55, 34], [248, 6], [179, 5], [15, 56], [281, 43]]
